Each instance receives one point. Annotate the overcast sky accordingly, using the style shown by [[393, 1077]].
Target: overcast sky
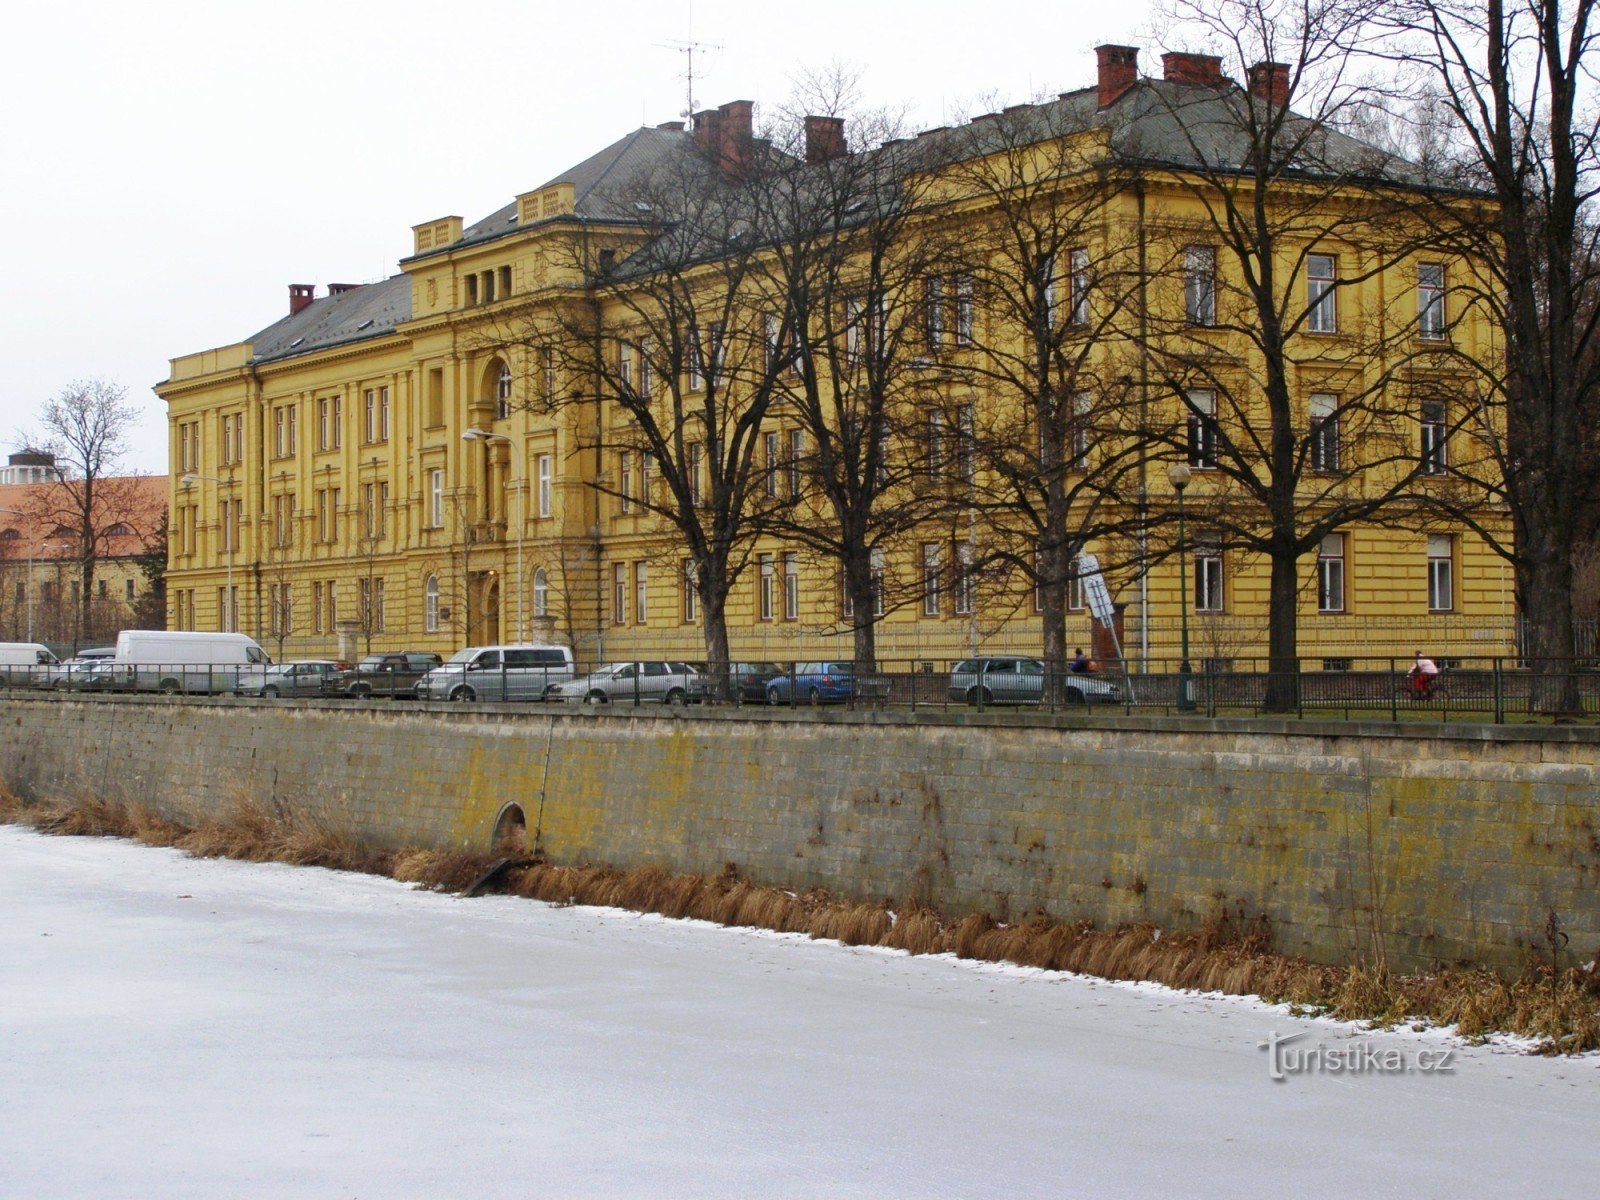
[[169, 168]]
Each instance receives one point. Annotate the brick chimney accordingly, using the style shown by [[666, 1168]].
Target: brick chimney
[[1118, 68], [1270, 82], [300, 295], [339, 289], [727, 134], [1203, 70], [825, 139]]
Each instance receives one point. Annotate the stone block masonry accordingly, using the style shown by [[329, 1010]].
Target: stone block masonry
[[1448, 843]]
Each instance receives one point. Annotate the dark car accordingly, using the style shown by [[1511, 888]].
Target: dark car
[[747, 681], [390, 674]]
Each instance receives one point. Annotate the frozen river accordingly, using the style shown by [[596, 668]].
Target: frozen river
[[177, 1028]]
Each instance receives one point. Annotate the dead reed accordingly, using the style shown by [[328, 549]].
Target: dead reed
[[1559, 1009]]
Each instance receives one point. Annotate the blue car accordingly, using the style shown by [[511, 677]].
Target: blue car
[[815, 683]]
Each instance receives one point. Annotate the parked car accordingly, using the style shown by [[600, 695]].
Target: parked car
[[75, 674], [815, 683], [26, 664], [303, 677], [159, 660], [635, 682], [748, 680], [522, 672], [390, 674], [1006, 680]]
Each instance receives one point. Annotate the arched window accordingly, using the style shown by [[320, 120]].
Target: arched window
[[9, 534], [541, 593], [119, 530], [430, 608], [502, 393]]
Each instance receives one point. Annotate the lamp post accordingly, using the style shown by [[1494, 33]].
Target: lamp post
[[1178, 476], [31, 519], [188, 481], [485, 435]]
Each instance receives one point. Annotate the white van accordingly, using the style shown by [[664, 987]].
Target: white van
[[157, 660], [23, 664], [520, 672]]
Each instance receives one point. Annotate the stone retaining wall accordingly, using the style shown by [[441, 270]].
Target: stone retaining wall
[[1446, 843]]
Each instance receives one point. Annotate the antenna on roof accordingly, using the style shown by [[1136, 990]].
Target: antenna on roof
[[687, 47]]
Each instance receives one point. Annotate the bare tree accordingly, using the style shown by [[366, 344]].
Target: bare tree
[[860, 272], [1056, 450], [1515, 83], [86, 428], [670, 347], [1266, 194]]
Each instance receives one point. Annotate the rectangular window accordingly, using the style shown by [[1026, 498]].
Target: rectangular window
[[625, 369], [1208, 580], [1079, 314], [966, 445], [369, 415], [966, 582], [1322, 301], [543, 468], [1200, 284], [1324, 431], [791, 586], [619, 593], [377, 606], [127, 590], [935, 442], [930, 579], [691, 595], [1330, 574], [646, 372], [1430, 300], [1441, 572], [641, 590], [766, 584], [383, 414], [435, 412], [280, 432], [961, 288], [625, 481], [769, 443], [317, 617], [646, 478], [797, 456], [436, 498], [333, 606], [714, 358], [1046, 269], [1434, 457], [325, 423], [1078, 438], [696, 452], [697, 378], [1075, 601], [933, 312], [1202, 408]]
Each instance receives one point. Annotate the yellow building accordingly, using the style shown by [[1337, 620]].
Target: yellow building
[[438, 459]]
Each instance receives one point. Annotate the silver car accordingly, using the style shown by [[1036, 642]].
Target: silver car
[[635, 683], [1005, 680], [522, 672], [304, 677]]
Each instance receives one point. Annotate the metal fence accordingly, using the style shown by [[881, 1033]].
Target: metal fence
[[1493, 688]]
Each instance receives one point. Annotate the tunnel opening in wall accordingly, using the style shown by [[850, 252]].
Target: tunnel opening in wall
[[510, 832]]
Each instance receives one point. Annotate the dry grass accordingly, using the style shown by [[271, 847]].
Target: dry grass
[[1559, 1009]]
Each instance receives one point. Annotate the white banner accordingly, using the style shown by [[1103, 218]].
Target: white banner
[[1095, 591]]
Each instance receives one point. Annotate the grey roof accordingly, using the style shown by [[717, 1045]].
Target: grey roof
[[593, 180], [369, 311]]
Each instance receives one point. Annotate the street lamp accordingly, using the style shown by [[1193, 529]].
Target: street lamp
[[485, 435], [188, 481], [1178, 476], [31, 519]]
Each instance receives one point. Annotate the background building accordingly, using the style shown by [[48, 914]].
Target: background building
[[41, 554]]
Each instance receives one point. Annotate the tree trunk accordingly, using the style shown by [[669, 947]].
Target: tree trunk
[[1283, 661], [713, 606], [1546, 585], [1052, 587], [863, 607]]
